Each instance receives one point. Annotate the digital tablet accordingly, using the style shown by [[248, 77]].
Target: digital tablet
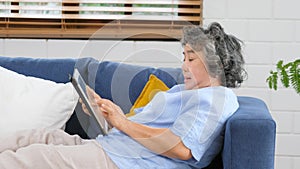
[[89, 101]]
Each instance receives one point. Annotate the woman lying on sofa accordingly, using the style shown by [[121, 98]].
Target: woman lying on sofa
[[177, 129]]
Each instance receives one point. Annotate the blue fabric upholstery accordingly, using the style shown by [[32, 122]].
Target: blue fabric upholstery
[[57, 70], [123, 83], [249, 137]]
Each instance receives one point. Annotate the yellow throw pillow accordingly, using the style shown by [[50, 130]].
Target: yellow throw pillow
[[153, 86]]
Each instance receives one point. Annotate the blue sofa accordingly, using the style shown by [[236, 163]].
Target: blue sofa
[[249, 136]]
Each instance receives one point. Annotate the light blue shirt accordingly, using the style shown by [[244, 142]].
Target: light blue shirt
[[196, 116]]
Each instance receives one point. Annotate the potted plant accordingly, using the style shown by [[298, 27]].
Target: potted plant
[[288, 73]]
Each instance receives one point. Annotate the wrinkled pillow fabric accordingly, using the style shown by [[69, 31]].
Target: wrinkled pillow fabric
[[29, 102], [153, 86]]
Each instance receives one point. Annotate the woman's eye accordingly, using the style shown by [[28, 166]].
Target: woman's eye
[[189, 59]]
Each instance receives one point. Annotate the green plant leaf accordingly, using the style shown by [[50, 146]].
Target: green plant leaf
[[269, 80], [274, 80], [295, 75], [289, 75], [284, 77], [279, 65]]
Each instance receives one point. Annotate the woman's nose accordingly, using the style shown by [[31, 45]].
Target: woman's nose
[[184, 67]]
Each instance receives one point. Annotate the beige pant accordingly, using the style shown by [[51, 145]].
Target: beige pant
[[55, 149]]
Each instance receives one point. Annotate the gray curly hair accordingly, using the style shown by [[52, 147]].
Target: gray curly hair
[[222, 52]]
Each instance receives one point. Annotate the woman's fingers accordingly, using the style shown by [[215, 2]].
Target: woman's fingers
[[106, 108], [92, 94], [85, 110]]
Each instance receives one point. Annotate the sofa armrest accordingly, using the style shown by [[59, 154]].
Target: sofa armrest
[[249, 136]]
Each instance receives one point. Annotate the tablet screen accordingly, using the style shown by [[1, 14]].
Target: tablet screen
[[88, 100]]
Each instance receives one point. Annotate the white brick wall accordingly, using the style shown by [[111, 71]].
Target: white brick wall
[[296, 162], [245, 9], [258, 53], [1, 46], [66, 48], [21, 47], [270, 30], [285, 121], [285, 162], [286, 9], [286, 51], [297, 31], [296, 123], [285, 99]]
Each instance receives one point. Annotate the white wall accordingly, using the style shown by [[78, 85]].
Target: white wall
[[154, 53], [269, 28]]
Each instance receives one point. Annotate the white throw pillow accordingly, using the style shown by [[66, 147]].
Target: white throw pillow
[[29, 102]]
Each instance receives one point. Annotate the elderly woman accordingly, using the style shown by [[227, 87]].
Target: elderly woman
[[177, 129]]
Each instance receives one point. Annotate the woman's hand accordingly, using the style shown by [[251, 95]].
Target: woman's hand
[[85, 110], [92, 97], [109, 110], [112, 113]]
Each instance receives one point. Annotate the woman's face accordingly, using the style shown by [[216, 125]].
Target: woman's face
[[194, 69]]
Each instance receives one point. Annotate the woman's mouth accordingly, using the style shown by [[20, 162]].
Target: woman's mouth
[[187, 79]]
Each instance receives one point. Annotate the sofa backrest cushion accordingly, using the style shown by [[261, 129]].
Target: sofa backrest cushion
[[123, 83], [56, 70]]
